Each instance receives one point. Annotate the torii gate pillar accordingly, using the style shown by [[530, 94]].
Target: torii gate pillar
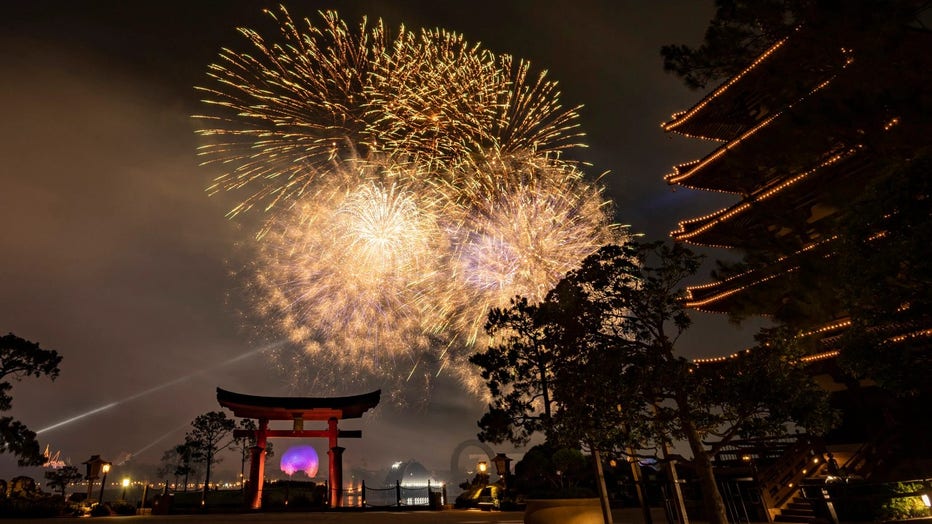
[[257, 466], [336, 476], [335, 468], [297, 410]]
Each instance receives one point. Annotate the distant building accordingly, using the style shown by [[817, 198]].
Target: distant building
[[409, 474]]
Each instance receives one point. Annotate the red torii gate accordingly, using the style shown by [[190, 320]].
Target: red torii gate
[[296, 409]]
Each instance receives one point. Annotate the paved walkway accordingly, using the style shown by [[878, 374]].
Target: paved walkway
[[622, 516]]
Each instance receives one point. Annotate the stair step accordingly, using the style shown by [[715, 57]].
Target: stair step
[[798, 512], [793, 519], [799, 505]]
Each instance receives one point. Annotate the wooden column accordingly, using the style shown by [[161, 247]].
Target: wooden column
[[336, 476], [257, 466], [335, 466]]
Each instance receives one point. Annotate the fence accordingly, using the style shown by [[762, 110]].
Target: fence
[[399, 495]]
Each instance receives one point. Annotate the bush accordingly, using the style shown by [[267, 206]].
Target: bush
[[122, 507], [877, 502], [75, 509], [548, 471], [31, 508], [904, 503], [25, 499], [100, 510]]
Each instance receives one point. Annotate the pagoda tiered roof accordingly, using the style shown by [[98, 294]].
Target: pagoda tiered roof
[[751, 97], [751, 161], [752, 220], [721, 296]]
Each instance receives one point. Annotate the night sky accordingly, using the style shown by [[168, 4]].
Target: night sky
[[114, 255]]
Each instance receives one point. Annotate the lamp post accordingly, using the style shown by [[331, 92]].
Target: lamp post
[[482, 475], [125, 485], [502, 467], [105, 468]]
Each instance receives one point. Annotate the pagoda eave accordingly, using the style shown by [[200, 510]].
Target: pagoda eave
[[794, 199], [747, 99]]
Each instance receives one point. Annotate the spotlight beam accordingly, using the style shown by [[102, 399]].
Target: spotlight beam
[[78, 417], [154, 389], [159, 439]]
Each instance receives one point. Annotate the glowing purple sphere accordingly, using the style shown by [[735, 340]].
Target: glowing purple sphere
[[300, 458]]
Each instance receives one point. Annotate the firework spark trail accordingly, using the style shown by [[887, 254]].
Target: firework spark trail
[[382, 277], [288, 110], [529, 221], [348, 272], [285, 112], [422, 182]]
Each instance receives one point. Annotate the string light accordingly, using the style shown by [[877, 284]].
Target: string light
[[698, 304], [723, 215], [711, 360], [690, 289], [681, 117], [677, 178], [907, 336], [820, 356], [825, 329], [817, 357]]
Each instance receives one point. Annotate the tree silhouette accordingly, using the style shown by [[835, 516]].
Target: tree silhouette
[[607, 334], [61, 477], [517, 367], [180, 461], [20, 358], [245, 443], [623, 386], [206, 439]]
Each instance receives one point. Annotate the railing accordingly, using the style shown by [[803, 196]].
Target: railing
[[873, 452], [762, 451], [775, 465], [855, 500], [395, 496], [780, 480]]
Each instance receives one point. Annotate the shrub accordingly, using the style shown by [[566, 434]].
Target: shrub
[[122, 507], [30, 508], [100, 510], [904, 503]]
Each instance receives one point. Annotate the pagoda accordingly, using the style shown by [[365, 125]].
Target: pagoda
[[803, 131], [803, 134]]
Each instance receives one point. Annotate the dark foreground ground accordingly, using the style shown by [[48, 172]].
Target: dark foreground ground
[[622, 516]]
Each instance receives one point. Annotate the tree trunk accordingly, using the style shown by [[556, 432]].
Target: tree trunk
[[545, 391], [242, 469], [711, 497], [603, 490], [206, 480]]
